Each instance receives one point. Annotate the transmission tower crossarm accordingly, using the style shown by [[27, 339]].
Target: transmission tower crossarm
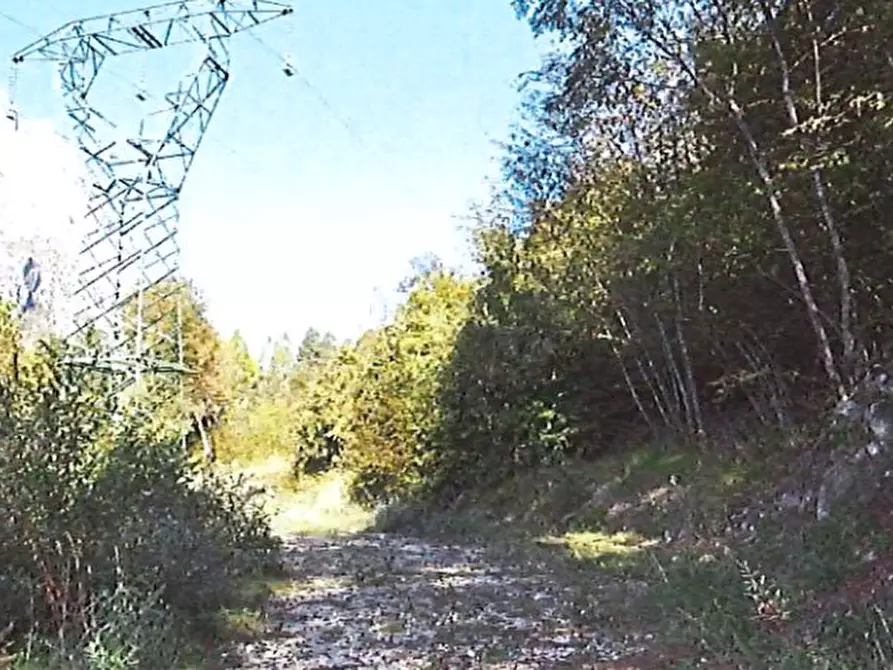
[[153, 27], [129, 255]]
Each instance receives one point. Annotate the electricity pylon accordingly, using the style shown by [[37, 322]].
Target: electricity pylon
[[129, 244]]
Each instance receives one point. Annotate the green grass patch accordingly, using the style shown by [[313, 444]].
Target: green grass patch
[[614, 551], [315, 505], [243, 619]]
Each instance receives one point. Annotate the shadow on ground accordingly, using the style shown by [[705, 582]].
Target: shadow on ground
[[380, 601], [662, 558], [727, 573]]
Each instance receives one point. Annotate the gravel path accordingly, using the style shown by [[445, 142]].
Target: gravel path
[[381, 601]]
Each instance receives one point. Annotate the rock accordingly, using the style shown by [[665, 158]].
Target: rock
[[790, 500], [864, 423]]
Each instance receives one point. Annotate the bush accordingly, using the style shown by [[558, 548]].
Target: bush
[[114, 542]]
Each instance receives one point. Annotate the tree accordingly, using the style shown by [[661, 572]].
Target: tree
[[692, 226], [665, 84], [372, 407], [238, 370], [315, 347], [177, 307]]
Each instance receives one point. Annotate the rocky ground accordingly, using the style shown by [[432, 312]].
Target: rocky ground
[[380, 601]]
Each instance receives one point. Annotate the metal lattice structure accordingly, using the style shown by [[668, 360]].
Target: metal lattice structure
[[129, 249]]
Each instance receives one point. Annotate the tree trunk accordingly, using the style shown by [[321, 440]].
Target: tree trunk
[[660, 393], [760, 164], [686, 361], [818, 187], [630, 385], [207, 444], [682, 405]]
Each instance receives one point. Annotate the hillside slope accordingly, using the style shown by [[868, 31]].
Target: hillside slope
[[735, 570]]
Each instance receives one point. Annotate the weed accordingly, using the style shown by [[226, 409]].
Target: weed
[[726, 574], [114, 542]]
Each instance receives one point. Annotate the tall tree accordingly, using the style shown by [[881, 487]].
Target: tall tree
[[178, 307]]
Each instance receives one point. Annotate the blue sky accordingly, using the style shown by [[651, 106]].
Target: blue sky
[[307, 202]]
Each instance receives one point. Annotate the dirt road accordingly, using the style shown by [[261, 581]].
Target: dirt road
[[381, 601]]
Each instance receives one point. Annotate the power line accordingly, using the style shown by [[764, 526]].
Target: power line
[[120, 77], [148, 96], [14, 20], [132, 246], [288, 67], [292, 71]]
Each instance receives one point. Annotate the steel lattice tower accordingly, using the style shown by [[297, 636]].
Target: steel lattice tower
[[129, 243]]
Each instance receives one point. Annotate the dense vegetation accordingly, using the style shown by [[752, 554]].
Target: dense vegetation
[[692, 236], [118, 548], [692, 232]]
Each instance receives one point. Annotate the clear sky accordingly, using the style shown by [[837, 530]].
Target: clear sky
[[311, 194]]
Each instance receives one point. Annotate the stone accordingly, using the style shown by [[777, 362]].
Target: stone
[[864, 423]]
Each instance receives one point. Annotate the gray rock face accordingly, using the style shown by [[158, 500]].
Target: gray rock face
[[47, 308], [863, 425]]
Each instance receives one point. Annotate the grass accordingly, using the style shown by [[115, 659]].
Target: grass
[[314, 506], [243, 620], [691, 543], [607, 550], [727, 574]]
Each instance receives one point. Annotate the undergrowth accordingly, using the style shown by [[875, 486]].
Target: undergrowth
[[118, 550], [314, 504], [708, 560]]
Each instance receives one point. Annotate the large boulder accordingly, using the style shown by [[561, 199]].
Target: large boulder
[[861, 427]]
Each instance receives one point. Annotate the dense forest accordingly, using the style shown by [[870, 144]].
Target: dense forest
[[691, 236]]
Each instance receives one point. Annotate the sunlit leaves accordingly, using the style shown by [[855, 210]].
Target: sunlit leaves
[[395, 398]]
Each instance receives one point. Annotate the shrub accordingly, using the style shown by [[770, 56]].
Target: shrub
[[114, 542]]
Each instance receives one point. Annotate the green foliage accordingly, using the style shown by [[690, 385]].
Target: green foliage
[[114, 543], [389, 437], [786, 592], [693, 228], [281, 409], [687, 238], [319, 417]]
